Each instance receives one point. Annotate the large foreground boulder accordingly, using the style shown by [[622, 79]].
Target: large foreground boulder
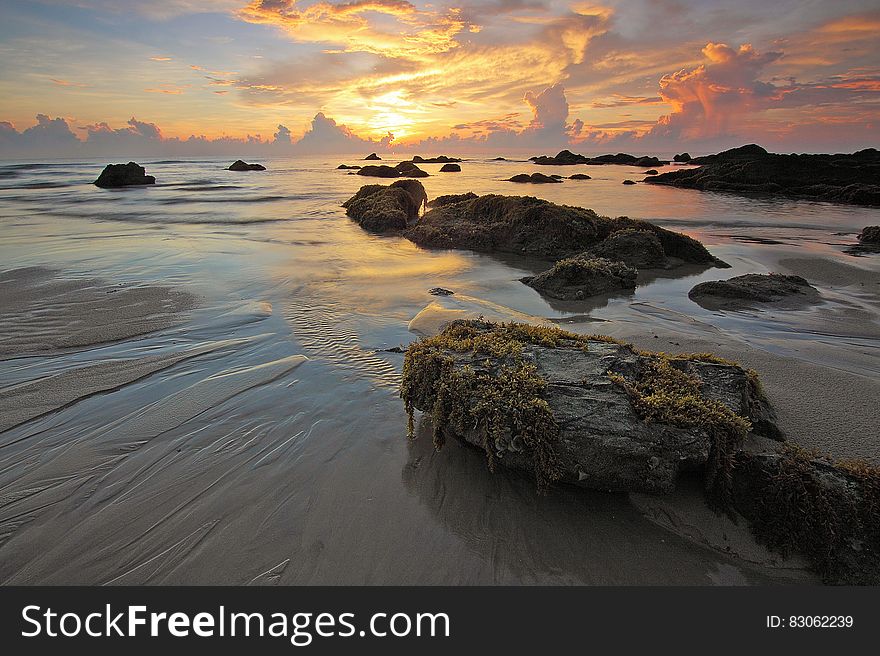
[[239, 165], [450, 199], [755, 288], [381, 208], [124, 175], [579, 277], [583, 410], [842, 178], [532, 226]]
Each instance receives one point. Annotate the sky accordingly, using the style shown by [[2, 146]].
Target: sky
[[299, 76]]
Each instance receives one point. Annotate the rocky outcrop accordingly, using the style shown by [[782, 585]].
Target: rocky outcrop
[[450, 168], [640, 249], [870, 236], [532, 226], [534, 178], [372, 156], [579, 176], [683, 157], [239, 165], [440, 159], [124, 175], [583, 410], [842, 178], [381, 208], [582, 276], [347, 166], [449, 199], [566, 158], [743, 291]]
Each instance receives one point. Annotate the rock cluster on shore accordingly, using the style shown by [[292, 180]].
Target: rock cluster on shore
[[842, 178], [596, 413], [124, 175]]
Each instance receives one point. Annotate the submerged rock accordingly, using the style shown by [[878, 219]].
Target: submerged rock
[[636, 248], [870, 235], [372, 156], [752, 288], [582, 276], [534, 178], [450, 168], [842, 178], [532, 226], [581, 409], [381, 208], [239, 165], [124, 175]]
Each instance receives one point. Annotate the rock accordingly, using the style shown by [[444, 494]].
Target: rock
[[499, 159], [239, 165], [379, 171], [743, 291], [532, 226], [870, 235], [124, 175], [410, 170], [346, 166], [797, 502], [628, 182], [579, 176], [556, 176], [450, 168], [580, 410], [449, 199], [562, 158], [381, 208], [440, 159], [651, 172], [440, 291], [580, 277], [640, 249], [534, 178], [372, 156], [684, 157], [842, 178]]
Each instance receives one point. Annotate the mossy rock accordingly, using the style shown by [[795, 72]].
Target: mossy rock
[[585, 410], [641, 249], [580, 277], [755, 289], [391, 208]]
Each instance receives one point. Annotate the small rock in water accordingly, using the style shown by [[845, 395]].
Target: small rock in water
[[440, 291], [239, 165], [124, 175], [628, 182]]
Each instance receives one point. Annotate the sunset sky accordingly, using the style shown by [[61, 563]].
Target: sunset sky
[[646, 75]]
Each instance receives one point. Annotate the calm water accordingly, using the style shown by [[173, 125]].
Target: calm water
[[307, 478]]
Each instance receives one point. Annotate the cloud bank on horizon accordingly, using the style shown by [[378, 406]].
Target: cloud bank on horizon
[[237, 77]]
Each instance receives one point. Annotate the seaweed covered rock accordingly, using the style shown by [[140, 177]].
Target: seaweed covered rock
[[585, 410], [798, 502], [579, 277], [449, 199], [381, 208], [534, 178], [740, 291], [124, 175], [870, 235], [528, 225], [450, 168], [841, 178], [239, 165], [641, 249]]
